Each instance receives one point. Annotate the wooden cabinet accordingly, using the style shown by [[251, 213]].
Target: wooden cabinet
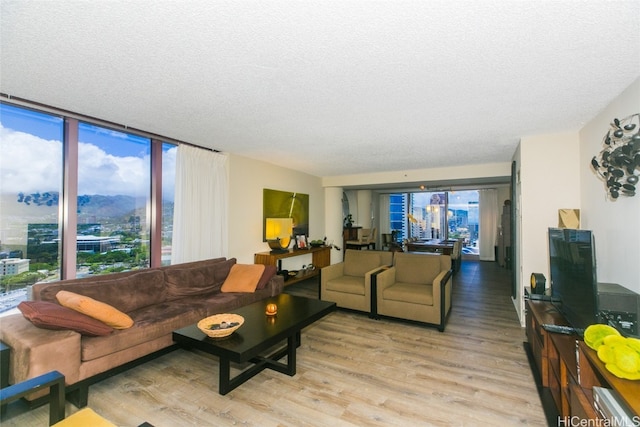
[[568, 369], [539, 313], [320, 257], [593, 373], [561, 352]]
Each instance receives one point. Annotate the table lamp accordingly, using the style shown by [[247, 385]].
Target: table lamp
[[278, 233]]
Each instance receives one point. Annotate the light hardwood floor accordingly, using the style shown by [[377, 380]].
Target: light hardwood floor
[[352, 371]]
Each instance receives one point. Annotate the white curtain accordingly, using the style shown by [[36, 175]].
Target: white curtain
[[200, 210], [385, 224], [488, 202]]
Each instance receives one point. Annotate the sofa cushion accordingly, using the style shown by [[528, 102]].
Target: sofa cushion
[[422, 268], [96, 309], [198, 280], [357, 263], [191, 264], [347, 284], [49, 315], [150, 323], [269, 272], [153, 322], [243, 278], [226, 302], [127, 291], [409, 292]]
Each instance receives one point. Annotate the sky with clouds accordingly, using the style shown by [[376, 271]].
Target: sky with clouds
[[29, 164]]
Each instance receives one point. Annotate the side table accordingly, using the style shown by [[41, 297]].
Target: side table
[[320, 257]]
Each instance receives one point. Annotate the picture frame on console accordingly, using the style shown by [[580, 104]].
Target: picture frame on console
[[301, 241]]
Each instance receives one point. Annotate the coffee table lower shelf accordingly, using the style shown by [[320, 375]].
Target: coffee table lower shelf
[[226, 383], [258, 334]]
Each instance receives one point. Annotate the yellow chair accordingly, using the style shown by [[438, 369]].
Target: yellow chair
[[85, 417]]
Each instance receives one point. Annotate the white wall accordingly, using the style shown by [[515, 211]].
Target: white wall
[[467, 172], [549, 179], [247, 179], [615, 224], [334, 221], [365, 209], [555, 172]]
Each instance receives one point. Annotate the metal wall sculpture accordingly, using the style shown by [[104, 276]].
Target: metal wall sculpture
[[618, 164]]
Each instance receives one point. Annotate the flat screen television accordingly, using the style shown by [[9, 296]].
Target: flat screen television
[[574, 285]]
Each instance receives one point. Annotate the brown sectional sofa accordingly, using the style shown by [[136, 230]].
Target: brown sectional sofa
[[159, 300]]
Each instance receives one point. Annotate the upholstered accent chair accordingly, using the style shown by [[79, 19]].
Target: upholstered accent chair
[[366, 239], [417, 287], [387, 239], [348, 283], [456, 254]]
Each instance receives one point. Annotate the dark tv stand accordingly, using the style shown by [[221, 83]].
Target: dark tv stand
[[566, 370]]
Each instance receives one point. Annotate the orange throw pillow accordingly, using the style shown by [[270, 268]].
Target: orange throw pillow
[[96, 309], [243, 278]]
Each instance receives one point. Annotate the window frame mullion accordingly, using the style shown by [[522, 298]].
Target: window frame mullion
[[69, 200]]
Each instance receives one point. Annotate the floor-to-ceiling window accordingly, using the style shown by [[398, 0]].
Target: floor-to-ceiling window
[[30, 188], [437, 215], [397, 215], [168, 191], [428, 215], [112, 181], [463, 219], [113, 200]]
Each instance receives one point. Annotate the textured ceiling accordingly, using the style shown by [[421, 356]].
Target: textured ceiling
[[328, 87]]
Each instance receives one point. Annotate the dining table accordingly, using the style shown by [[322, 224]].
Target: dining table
[[444, 247]]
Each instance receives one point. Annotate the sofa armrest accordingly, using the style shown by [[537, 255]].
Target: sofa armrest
[[330, 272], [385, 278], [276, 285], [441, 280], [374, 288], [442, 288], [36, 351], [380, 280]]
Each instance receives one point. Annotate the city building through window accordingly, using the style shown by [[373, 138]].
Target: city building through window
[[111, 181], [436, 215]]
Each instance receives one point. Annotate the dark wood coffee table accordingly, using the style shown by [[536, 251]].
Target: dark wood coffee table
[[258, 334]]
